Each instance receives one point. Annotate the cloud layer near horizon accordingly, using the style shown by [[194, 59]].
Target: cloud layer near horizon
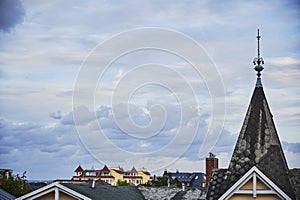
[[44, 145]]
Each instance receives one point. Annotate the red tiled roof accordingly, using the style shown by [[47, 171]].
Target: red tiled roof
[[133, 170], [110, 176], [79, 169], [119, 171], [147, 173], [105, 169], [132, 176]]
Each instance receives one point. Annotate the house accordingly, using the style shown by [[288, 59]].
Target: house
[[132, 177], [258, 168], [92, 174], [106, 176], [83, 191], [113, 175], [118, 173], [6, 173], [189, 179], [146, 176]]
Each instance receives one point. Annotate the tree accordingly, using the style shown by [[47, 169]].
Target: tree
[[122, 183], [163, 181], [15, 185]]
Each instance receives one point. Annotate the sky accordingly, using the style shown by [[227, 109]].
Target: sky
[[154, 84]]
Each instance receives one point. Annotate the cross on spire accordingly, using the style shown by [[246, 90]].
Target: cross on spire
[[258, 62]]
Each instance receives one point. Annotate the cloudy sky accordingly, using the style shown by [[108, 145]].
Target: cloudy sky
[[148, 107]]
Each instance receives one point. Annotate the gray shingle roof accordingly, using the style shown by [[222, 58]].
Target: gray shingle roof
[[103, 192], [5, 195], [295, 181], [217, 184]]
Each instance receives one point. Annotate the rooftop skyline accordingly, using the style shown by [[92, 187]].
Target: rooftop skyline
[[43, 46]]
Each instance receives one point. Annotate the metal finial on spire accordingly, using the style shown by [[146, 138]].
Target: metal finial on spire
[[258, 62]]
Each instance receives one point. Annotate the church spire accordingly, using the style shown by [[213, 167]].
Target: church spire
[[258, 62]]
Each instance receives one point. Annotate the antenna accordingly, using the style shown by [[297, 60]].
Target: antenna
[[258, 37]]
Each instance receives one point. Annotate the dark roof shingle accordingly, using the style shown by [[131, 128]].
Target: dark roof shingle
[[103, 192]]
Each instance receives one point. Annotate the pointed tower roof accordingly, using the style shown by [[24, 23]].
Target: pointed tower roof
[[258, 143]]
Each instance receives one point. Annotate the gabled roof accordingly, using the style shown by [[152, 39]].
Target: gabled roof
[[102, 192], [105, 169], [133, 170], [84, 191], [51, 188], [254, 173], [79, 169]]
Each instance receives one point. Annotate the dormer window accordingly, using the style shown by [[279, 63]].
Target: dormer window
[[105, 174]]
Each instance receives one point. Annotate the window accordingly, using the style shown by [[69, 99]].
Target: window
[[105, 174]]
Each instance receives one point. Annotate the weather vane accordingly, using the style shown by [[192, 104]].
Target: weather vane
[[258, 62]]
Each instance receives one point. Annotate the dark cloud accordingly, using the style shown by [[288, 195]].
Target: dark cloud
[[12, 13], [38, 146]]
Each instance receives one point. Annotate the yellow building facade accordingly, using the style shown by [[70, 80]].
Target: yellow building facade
[[113, 175]]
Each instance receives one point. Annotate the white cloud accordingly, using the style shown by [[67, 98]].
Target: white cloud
[[42, 56], [283, 61]]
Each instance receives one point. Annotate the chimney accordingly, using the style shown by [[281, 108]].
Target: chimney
[[211, 163], [93, 183]]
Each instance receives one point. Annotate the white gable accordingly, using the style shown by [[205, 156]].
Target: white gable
[[254, 173], [53, 187]]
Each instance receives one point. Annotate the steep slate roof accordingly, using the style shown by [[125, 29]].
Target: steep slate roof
[[218, 184], [295, 181], [257, 145]]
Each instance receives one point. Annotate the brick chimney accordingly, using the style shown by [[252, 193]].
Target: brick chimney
[[211, 163]]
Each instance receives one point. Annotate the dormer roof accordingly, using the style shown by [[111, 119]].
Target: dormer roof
[[105, 169], [79, 169]]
